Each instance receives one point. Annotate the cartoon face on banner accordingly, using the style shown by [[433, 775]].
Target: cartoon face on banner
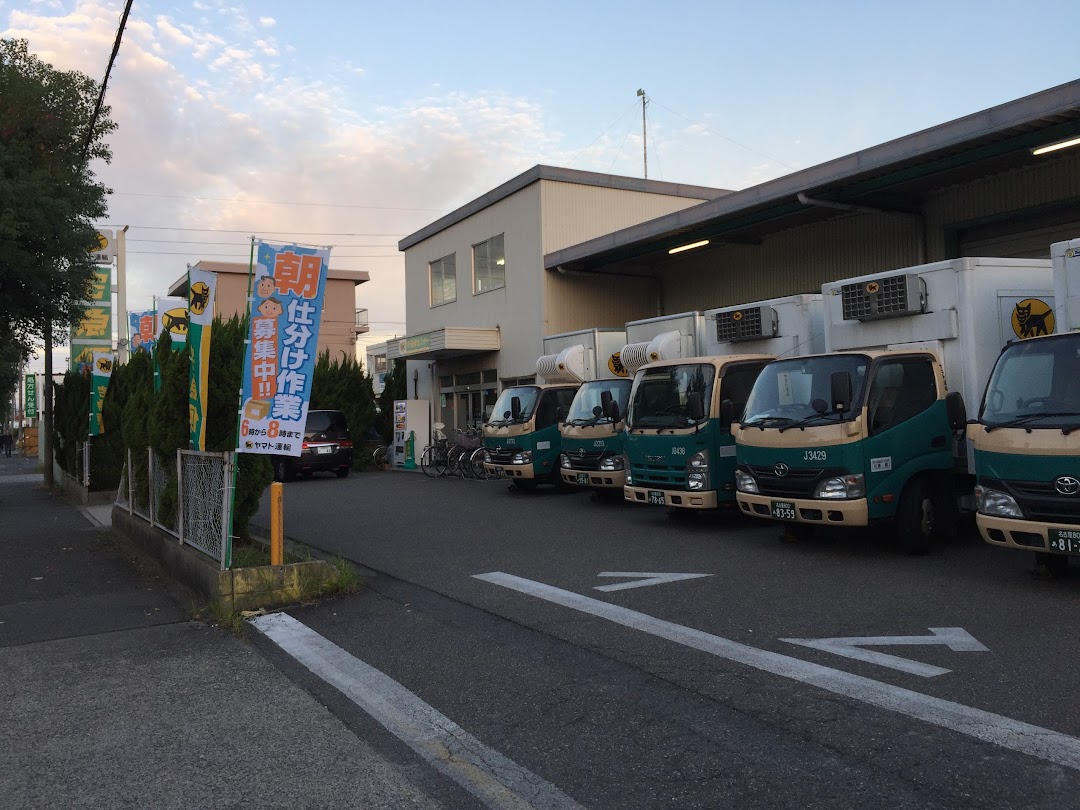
[[286, 311]]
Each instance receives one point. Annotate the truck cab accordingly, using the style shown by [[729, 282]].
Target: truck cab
[[521, 438], [680, 452], [594, 438]]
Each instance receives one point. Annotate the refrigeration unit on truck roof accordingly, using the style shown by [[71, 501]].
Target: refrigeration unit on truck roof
[[963, 310], [786, 327], [669, 337], [581, 356], [1065, 257]]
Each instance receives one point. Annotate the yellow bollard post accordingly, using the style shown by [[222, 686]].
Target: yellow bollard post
[[277, 523]]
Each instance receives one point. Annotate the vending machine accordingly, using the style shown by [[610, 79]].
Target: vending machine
[[411, 416]]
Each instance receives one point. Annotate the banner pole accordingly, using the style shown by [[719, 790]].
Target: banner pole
[[240, 404]]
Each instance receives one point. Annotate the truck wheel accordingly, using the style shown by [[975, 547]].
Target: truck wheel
[[1055, 564], [915, 519]]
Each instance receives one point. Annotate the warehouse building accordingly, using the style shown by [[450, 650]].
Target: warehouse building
[[1002, 182]]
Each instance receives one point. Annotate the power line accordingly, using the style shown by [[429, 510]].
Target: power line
[[605, 132], [621, 145], [725, 137], [270, 202], [105, 81], [250, 231], [246, 256], [243, 244]]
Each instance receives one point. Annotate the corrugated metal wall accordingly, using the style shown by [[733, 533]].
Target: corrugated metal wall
[[798, 260], [585, 302], [573, 213]]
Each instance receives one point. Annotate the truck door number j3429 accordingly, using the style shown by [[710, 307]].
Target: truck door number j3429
[[815, 455]]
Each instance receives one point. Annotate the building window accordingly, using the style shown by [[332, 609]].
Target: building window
[[380, 363], [489, 265], [443, 280]]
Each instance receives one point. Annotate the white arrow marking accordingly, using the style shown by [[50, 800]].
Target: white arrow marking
[[645, 578], [956, 639]]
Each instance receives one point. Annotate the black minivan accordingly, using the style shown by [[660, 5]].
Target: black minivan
[[327, 447]]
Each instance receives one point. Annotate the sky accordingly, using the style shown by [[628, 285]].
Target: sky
[[353, 124]]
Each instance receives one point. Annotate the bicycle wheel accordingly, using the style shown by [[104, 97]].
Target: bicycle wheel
[[455, 461], [427, 461], [476, 464], [440, 460], [379, 456]]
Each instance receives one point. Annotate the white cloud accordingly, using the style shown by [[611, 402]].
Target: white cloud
[[267, 22]]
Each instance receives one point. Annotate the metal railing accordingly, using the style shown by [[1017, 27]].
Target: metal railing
[[195, 507], [362, 324]]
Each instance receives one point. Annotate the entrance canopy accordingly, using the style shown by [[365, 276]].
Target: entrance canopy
[[442, 344]]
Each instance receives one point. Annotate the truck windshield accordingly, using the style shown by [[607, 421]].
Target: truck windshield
[[658, 398], [1035, 383], [790, 391], [502, 413], [590, 397]]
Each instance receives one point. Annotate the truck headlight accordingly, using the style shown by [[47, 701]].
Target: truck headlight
[[696, 481], [564, 461], [996, 503], [611, 463], [629, 473], [841, 487], [524, 457], [745, 482], [487, 456], [698, 461]]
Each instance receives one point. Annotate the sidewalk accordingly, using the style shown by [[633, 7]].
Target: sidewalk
[[110, 697]]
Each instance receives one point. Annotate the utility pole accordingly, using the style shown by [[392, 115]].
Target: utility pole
[[123, 336], [644, 140], [45, 434]]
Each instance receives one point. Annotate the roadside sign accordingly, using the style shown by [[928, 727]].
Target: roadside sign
[[104, 249], [31, 396]]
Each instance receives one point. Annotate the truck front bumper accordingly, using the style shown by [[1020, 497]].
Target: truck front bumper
[[816, 512], [676, 498], [603, 479], [1025, 535], [509, 470]]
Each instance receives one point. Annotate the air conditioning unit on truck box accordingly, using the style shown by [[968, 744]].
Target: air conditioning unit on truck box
[[680, 452], [872, 430], [1026, 440], [523, 439]]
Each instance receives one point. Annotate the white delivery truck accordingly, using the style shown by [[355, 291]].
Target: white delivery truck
[[872, 430], [1026, 439], [680, 452]]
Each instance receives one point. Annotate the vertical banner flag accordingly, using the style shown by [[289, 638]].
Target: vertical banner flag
[[99, 384], [201, 287], [172, 315], [141, 331], [94, 331], [31, 397], [286, 310]]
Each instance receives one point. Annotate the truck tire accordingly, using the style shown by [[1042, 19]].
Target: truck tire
[[915, 521]]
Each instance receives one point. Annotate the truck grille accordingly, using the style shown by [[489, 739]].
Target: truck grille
[[585, 459], [501, 455], [798, 482], [659, 476], [1040, 501]]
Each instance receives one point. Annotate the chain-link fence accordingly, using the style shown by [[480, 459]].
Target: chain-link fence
[[195, 506]]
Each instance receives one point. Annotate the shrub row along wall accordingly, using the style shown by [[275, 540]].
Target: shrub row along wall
[[136, 417]]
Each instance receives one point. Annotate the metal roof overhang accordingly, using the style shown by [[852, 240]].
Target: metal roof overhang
[[444, 344], [893, 176]]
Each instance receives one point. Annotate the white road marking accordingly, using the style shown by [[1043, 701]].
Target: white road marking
[[495, 780], [955, 638], [644, 579], [1052, 746]]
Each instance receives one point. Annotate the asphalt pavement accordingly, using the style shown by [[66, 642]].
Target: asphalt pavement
[[708, 691], [111, 697]]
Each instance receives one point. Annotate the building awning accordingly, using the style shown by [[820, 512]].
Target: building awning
[[442, 344]]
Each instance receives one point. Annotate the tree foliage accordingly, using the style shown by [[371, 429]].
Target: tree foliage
[[48, 195], [343, 385], [395, 386]]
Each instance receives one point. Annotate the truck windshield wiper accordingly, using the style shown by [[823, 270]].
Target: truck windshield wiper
[[806, 420], [767, 421], [1024, 418]]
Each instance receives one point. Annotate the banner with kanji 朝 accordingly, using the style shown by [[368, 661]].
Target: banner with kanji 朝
[[202, 286], [286, 310], [141, 332], [99, 384]]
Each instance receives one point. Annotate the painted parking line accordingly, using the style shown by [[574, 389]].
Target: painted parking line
[[1052, 746], [495, 780]]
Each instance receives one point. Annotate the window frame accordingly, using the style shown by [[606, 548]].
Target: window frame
[[904, 388], [475, 277], [441, 262]]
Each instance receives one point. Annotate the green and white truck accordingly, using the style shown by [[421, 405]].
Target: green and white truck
[[680, 452], [872, 431], [1026, 439]]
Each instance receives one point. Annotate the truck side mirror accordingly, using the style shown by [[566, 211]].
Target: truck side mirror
[[695, 406], [727, 414], [840, 391], [956, 411], [559, 414], [605, 401], [515, 408], [612, 411]]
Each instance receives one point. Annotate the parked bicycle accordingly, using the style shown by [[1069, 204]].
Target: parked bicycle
[[464, 456]]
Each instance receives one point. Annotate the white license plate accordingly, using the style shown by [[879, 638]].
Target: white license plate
[[657, 497], [324, 450]]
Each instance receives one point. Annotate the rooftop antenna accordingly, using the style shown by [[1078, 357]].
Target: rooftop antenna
[[644, 142]]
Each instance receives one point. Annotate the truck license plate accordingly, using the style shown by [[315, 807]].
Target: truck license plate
[[783, 510], [583, 478], [1067, 540], [656, 496]]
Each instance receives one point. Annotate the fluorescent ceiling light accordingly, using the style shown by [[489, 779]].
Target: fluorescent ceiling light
[[1053, 147], [500, 262], [691, 246]]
